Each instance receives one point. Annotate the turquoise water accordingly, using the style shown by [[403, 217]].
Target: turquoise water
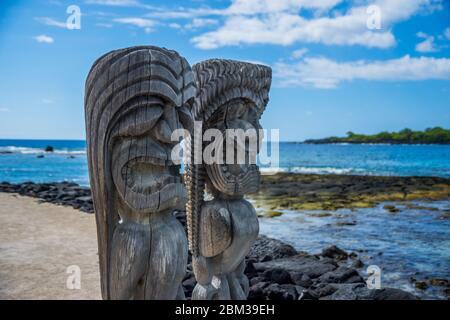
[[19, 161], [365, 159]]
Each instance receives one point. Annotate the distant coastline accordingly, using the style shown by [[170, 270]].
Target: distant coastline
[[436, 135]]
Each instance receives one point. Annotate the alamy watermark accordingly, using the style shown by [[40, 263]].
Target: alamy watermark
[[73, 22], [373, 22], [374, 277], [73, 281], [230, 146]]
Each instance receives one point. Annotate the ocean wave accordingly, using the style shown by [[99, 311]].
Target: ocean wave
[[313, 170], [26, 150]]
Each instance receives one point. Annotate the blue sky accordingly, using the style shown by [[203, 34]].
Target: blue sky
[[364, 66]]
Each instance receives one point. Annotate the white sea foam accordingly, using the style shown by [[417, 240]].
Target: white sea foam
[[26, 150], [313, 170], [66, 151]]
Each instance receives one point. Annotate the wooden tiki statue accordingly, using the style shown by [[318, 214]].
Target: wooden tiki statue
[[230, 95], [134, 98]]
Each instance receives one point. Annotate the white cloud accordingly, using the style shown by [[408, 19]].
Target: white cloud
[[427, 45], [44, 39], [104, 25], [103, 14], [138, 22], [286, 22], [52, 22], [447, 33], [299, 53], [118, 3], [146, 24], [268, 6], [279, 22], [174, 25], [286, 29], [245, 7], [200, 22], [327, 74], [184, 13]]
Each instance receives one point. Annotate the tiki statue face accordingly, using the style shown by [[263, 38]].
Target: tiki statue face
[[238, 174], [143, 172]]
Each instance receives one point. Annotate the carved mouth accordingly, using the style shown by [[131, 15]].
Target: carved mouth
[[148, 183], [234, 180], [152, 185], [146, 175], [240, 171]]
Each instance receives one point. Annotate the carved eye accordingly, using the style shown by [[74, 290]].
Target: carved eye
[[162, 131], [138, 121], [186, 117]]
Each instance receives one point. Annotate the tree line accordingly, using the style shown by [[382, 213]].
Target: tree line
[[436, 135]]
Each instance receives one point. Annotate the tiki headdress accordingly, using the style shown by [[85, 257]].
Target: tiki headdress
[[134, 99], [230, 95]]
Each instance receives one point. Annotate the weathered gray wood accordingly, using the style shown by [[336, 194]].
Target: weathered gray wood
[[231, 95], [132, 101]]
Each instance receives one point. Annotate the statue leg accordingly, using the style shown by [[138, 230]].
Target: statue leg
[[180, 293], [129, 252], [205, 289], [236, 291], [204, 292], [242, 278], [224, 288], [167, 260], [218, 289]]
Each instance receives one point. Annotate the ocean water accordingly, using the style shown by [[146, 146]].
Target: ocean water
[[19, 160], [413, 243], [366, 159]]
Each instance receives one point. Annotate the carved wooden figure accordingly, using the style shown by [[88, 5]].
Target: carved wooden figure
[[134, 98], [231, 95]]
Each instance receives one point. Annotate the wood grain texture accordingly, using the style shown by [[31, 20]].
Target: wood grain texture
[[230, 95], [132, 100]]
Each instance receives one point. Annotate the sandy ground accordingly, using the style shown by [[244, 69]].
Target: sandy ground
[[38, 243]]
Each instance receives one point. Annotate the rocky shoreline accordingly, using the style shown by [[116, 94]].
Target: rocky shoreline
[[60, 193], [281, 191], [275, 269], [331, 192], [278, 272]]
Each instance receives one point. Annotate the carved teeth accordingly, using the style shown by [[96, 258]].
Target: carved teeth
[[143, 176]]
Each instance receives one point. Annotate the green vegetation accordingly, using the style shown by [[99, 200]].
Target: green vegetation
[[436, 135]]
